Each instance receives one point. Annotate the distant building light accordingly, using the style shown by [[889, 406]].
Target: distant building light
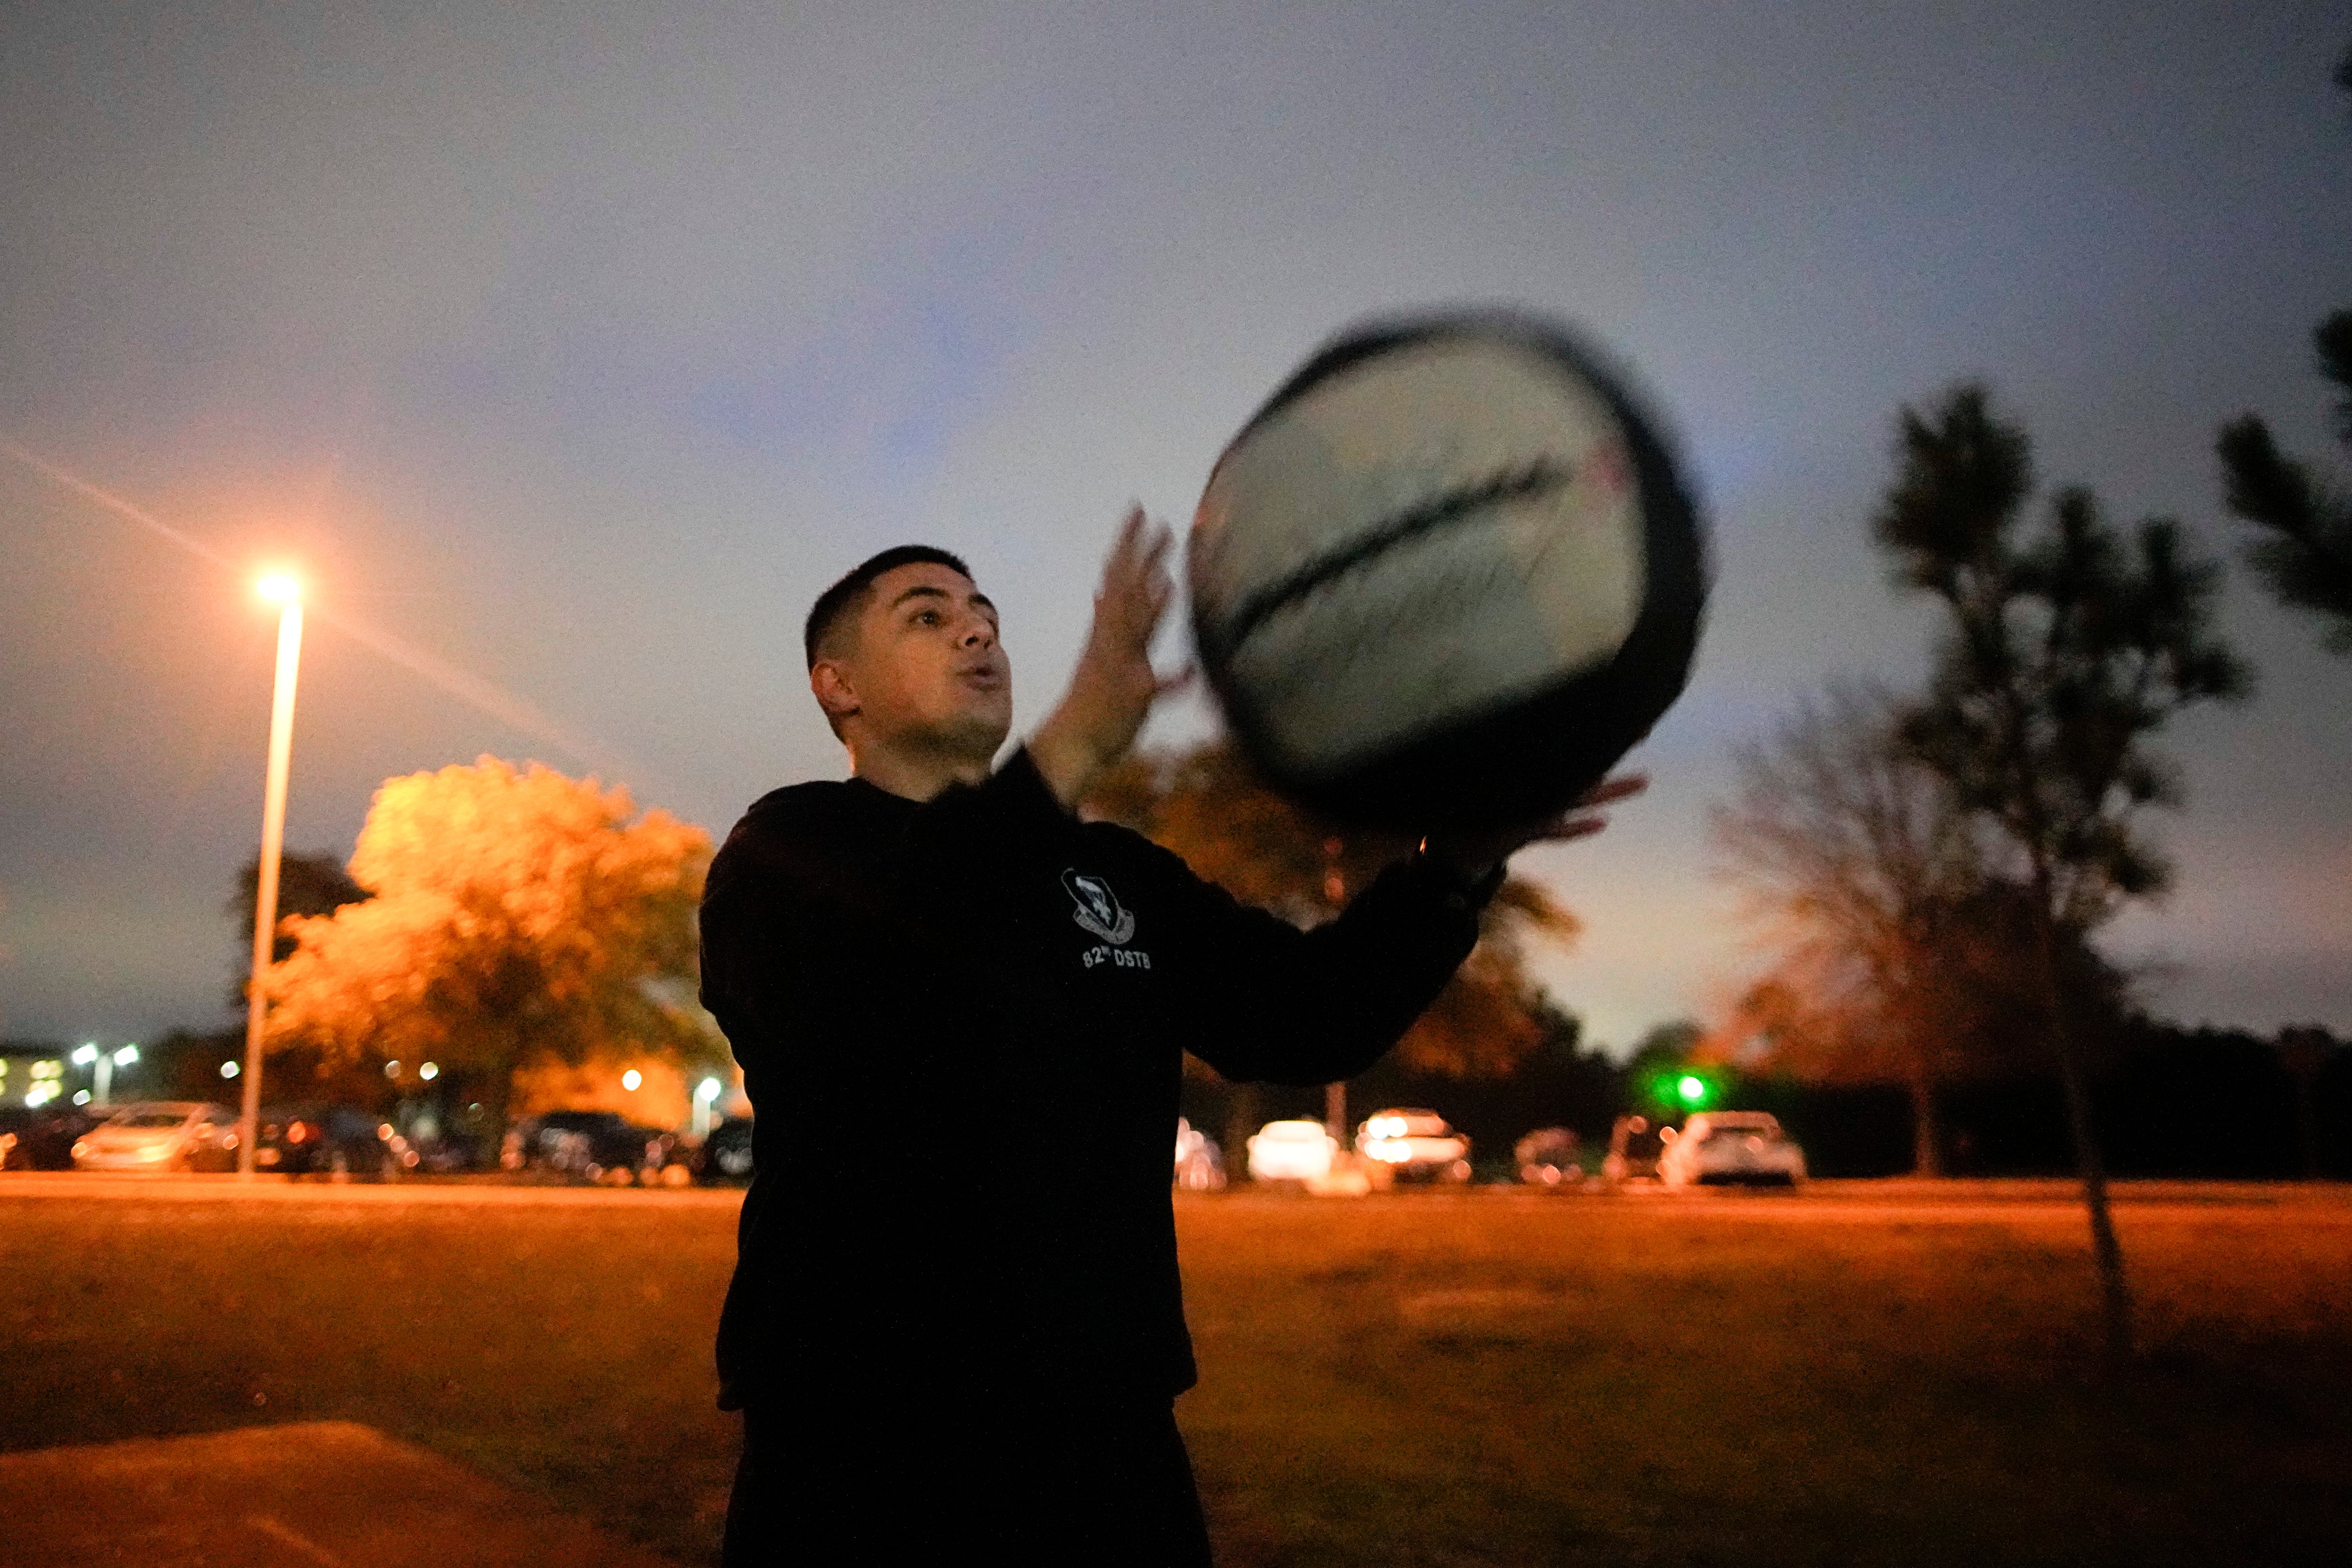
[[85, 1056], [81, 1097], [127, 1055], [392, 1069], [428, 1072], [631, 1078], [230, 1069]]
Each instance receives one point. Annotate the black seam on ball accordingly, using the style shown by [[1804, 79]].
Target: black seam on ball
[[1540, 478]]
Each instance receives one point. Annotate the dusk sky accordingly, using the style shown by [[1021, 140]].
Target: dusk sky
[[569, 351]]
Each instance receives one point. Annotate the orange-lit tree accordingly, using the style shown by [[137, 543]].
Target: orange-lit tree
[[314, 884], [518, 916]]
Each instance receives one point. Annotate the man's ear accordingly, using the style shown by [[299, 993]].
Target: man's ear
[[830, 682]]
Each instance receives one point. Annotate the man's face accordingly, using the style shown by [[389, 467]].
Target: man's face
[[924, 668]]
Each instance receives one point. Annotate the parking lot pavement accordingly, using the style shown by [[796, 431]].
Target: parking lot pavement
[[323, 1494]]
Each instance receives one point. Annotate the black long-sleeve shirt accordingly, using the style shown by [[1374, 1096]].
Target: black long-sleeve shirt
[[961, 1025]]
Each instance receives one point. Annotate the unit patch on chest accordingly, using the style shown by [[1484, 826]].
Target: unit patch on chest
[[1100, 914]]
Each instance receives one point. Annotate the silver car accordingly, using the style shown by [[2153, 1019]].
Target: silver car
[[1745, 1148], [161, 1135]]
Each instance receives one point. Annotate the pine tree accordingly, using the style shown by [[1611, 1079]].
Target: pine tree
[[2305, 552], [2067, 649]]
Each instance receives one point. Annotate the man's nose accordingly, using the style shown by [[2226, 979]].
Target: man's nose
[[978, 633]]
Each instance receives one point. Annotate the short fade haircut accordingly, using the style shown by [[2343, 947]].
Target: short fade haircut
[[848, 597]]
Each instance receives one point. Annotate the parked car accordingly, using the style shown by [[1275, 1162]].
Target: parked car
[[41, 1138], [1549, 1157], [601, 1146], [1416, 1145], [161, 1135], [670, 1159], [324, 1141], [726, 1152], [1633, 1149], [1291, 1151], [1200, 1163], [1716, 1147]]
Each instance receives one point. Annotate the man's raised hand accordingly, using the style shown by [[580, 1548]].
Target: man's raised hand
[[1114, 686]]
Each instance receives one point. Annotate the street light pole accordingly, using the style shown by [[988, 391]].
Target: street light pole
[[289, 593]]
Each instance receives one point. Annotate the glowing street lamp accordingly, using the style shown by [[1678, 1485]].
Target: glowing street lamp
[[705, 1092], [284, 592]]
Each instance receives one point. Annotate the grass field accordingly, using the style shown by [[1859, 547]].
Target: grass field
[[1881, 1375]]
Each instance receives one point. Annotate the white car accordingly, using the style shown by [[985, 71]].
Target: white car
[[161, 1135], [1414, 1143], [1730, 1146], [1199, 1167], [1292, 1152]]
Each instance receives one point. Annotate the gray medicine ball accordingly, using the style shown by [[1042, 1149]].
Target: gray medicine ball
[[1446, 576]]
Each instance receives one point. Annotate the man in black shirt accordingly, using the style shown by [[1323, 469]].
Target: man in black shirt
[[915, 961]]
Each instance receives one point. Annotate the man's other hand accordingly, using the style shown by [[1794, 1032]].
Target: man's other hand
[[1115, 685], [1475, 854]]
